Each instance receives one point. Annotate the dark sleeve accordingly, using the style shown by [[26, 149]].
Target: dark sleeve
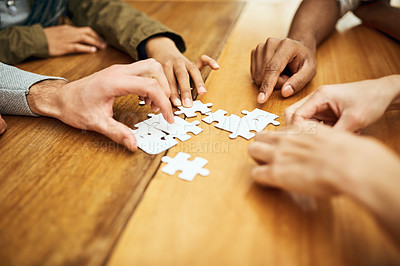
[[21, 42], [122, 26]]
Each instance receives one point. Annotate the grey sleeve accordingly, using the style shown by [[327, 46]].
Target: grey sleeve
[[14, 87]]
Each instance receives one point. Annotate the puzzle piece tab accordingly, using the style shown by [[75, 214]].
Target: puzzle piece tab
[[198, 106], [181, 163]]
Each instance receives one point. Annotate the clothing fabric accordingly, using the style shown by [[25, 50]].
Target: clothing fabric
[[14, 87], [122, 26], [349, 5], [8, 18]]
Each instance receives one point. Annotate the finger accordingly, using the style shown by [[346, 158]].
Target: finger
[[183, 80], [281, 80], [197, 79], [261, 152], [253, 64], [299, 80], [80, 48], [117, 132], [260, 64], [3, 125], [312, 106], [262, 174], [169, 73], [289, 112], [146, 87], [89, 31], [204, 61], [89, 40], [272, 71]]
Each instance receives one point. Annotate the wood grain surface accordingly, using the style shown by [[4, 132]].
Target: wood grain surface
[[224, 218], [66, 194]]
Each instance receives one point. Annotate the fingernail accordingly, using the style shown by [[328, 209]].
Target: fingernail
[[177, 102], [261, 97], [93, 49], [156, 109], [288, 90], [187, 102], [215, 64], [202, 90]]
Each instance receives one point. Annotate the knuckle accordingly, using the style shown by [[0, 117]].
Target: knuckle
[[272, 67]]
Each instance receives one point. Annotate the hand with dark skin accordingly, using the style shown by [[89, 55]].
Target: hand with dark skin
[[312, 23], [178, 69], [87, 103], [66, 39], [381, 16], [313, 159]]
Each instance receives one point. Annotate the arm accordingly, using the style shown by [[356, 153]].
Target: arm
[[381, 16], [86, 103], [140, 36], [316, 160], [21, 42], [312, 23]]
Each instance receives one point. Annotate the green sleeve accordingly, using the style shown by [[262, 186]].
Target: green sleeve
[[122, 26], [21, 42]]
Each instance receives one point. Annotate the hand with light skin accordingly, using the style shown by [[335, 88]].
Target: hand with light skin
[[178, 69], [3, 125], [87, 103], [313, 159], [66, 39], [290, 64], [349, 106]]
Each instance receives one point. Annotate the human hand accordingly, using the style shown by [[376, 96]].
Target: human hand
[[310, 158], [3, 125], [88, 103], [178, 69], [349, 106], [269, 60], [66, 39]]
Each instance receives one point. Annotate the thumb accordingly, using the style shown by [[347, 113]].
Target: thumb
[[298, 81], [204, 61], [117, 132]]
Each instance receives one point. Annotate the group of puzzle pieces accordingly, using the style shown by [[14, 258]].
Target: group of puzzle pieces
[[156, 135]]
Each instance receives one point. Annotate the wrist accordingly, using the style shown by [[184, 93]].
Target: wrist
[[306, 39], [44, 98], [158, 42], [393, 84]]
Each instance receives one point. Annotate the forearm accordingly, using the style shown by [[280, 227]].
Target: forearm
[[21, 42], [14, 86], [379, 193], [382, 17], [122, 26], [314, 21]]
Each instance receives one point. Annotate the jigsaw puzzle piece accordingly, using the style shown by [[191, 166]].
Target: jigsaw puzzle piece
[[242, 130], [151, 140], [259, 119], [189, 169], [230, 124], [178, 129], [198, 106], [218, 116]]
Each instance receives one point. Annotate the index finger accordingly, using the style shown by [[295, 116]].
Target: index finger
[[272, 72], [311, 106]]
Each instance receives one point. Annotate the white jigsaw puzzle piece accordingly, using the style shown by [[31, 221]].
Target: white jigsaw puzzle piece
[[198, 106], [141, 103], [152, 140], [218, 116], [181, 163], [230, 123], [178, 129], [259, 119]]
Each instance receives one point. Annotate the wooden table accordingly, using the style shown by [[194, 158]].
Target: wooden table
[[75, 198]]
